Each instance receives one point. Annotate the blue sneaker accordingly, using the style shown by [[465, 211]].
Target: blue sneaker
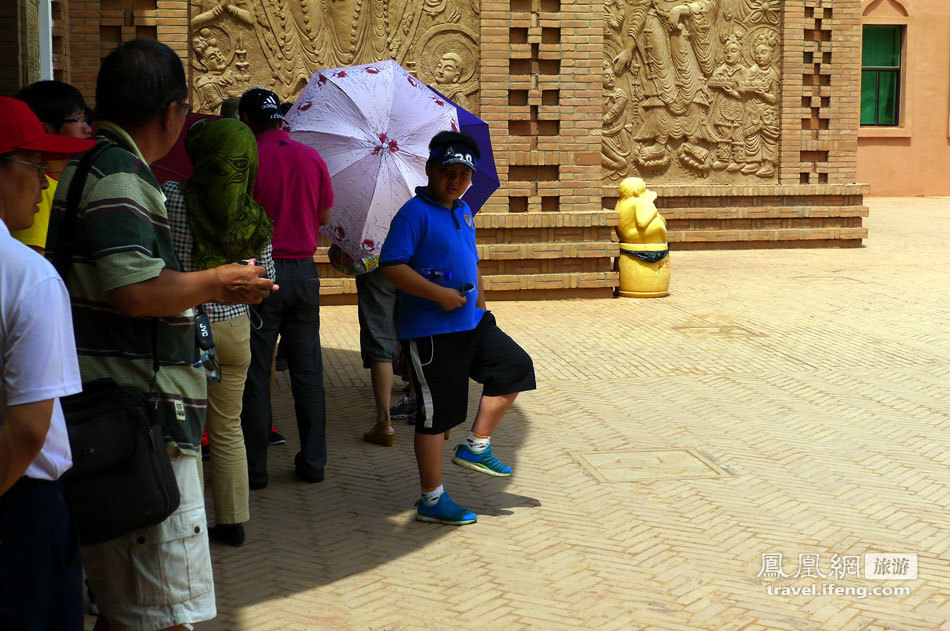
[[445, 511], [484, 462]]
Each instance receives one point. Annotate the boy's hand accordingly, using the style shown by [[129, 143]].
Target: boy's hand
[[450, 299]]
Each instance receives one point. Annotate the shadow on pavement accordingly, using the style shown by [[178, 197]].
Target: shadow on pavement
[[303, 536]]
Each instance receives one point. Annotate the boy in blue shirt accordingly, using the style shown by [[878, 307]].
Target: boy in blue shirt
[[430, 256]]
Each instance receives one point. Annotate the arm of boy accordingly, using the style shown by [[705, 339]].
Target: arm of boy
[[410, 281]]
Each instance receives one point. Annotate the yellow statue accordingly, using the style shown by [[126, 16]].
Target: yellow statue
[[644, 261]]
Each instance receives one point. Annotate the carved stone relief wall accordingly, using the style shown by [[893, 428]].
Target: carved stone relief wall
[[691, 90], [278, 44]]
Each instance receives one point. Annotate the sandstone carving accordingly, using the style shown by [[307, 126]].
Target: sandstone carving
[[218, 81], [701, 87], [280, 43], [760, 124], [449, 62], [617, 130]]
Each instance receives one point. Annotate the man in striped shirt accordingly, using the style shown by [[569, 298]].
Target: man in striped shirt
[[130, 299]]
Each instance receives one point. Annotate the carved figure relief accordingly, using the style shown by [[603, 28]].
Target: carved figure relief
[[615, 139], [702, 88], [760, 125], [280, 43], [449, 62], [218, 81]]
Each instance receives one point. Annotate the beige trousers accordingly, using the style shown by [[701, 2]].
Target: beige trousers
[[232, 339]]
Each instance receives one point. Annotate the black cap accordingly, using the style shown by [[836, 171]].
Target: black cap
[[260, 105]]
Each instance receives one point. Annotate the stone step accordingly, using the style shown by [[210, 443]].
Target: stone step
[[528, 251], [566, 219], [337, 286], [764, 212], [598, 224], [582, 280], [768, 235], [556, 250], [344, 289], [718, 191]]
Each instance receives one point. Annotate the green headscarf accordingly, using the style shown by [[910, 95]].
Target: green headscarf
[[227, 223]]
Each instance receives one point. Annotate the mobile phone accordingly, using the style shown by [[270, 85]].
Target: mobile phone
[[466, 289]]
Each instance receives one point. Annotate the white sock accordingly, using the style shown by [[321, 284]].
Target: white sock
[[432, 497], [477, 442]]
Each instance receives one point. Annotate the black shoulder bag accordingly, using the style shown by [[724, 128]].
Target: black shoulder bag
[[121, 479]]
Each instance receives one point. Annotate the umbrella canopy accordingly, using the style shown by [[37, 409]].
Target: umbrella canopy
[[372, 125], [485, 180]]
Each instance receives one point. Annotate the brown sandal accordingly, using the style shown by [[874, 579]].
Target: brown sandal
[[378, 436]]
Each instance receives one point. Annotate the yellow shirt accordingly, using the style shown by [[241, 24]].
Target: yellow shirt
[[35, 235]]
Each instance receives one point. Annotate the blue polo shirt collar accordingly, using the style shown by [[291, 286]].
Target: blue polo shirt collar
[[423, 192]]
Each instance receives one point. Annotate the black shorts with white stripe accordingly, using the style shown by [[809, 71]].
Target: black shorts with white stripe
[[442, 365]]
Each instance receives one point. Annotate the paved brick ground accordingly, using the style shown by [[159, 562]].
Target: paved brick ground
[[813, 382]]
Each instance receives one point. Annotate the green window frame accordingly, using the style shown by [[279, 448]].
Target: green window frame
[[881, 57]]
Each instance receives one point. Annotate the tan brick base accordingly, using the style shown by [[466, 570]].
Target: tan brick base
[[710, 217]]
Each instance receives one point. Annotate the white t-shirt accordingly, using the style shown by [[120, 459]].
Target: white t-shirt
[[37, 349]]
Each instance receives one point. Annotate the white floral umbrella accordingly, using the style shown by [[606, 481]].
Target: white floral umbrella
[[372, 124]]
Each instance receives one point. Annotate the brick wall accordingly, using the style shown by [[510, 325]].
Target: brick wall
[[821, 91], [84, 46], [61, 49], [95, 28], [10, 71], [170, 19], [547, 231], [540, 93]]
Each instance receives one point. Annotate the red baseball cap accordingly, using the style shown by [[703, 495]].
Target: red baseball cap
[[21, 129]]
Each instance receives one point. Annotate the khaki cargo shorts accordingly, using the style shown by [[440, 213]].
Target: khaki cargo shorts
[[159, 576]]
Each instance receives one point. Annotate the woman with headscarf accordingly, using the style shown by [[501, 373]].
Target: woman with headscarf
[[215, 220]]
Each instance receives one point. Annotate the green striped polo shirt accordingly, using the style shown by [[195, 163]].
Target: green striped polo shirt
[[122, 237]]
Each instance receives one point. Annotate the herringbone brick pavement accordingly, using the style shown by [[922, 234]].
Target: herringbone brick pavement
[[815, 382]]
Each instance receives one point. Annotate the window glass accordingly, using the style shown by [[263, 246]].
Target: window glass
[[869, 97], [880, 75], [887, 98], [882, 46]]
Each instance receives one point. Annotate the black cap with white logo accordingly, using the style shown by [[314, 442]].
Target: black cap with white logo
[[260, 105]]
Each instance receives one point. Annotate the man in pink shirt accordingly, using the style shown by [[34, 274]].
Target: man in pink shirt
[[293, 186]]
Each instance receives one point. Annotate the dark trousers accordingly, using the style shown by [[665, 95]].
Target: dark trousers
[[294, 311], [40, 566]]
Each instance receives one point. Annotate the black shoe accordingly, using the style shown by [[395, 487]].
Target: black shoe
[[276, 438], [231, 534], [311, 477], [405, 408], [257, 483]]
